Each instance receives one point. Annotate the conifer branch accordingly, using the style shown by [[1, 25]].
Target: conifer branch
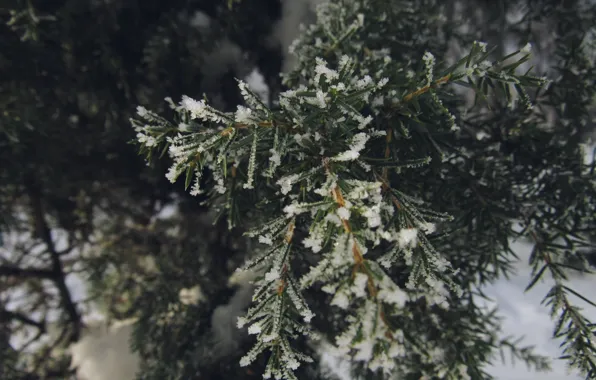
[[351, 206]]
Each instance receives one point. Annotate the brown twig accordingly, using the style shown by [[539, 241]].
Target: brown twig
[[424, 89]]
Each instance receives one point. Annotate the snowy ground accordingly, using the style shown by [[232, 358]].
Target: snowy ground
[[524, 316]]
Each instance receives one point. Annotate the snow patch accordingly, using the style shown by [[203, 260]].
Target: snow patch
[[103, 353]]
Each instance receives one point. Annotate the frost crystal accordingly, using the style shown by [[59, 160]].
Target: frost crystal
[[373, 216], [407, 237], [333, 219], [275, 158], [252, 163], [360, 18], [344, 61], [364, 121], [365, 350], [265, 240], [244, 115], [272, 275], [287, 182], [359, 287], [341, 300], [314, 243], [321, 69], [428, 228], [429, 63], [527, 49], [254, 329], [196, 187], [142, 111], [358, 143], [196, 108], [173, 173], [245, 361], [343, 213], [364, 82], [241, 322], [320, 99]]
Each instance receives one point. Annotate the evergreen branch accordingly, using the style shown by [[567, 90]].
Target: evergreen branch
[[541, 363], [579, 342], [354, 204]]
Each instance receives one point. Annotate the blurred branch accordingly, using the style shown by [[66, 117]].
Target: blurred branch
[[7, 316], [43, 231], [27, 272]]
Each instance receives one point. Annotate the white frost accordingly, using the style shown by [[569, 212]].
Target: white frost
[[408, 237]]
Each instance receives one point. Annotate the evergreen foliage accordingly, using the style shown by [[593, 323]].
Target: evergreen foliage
[[75, 199], [379, 187], [371, 184]]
